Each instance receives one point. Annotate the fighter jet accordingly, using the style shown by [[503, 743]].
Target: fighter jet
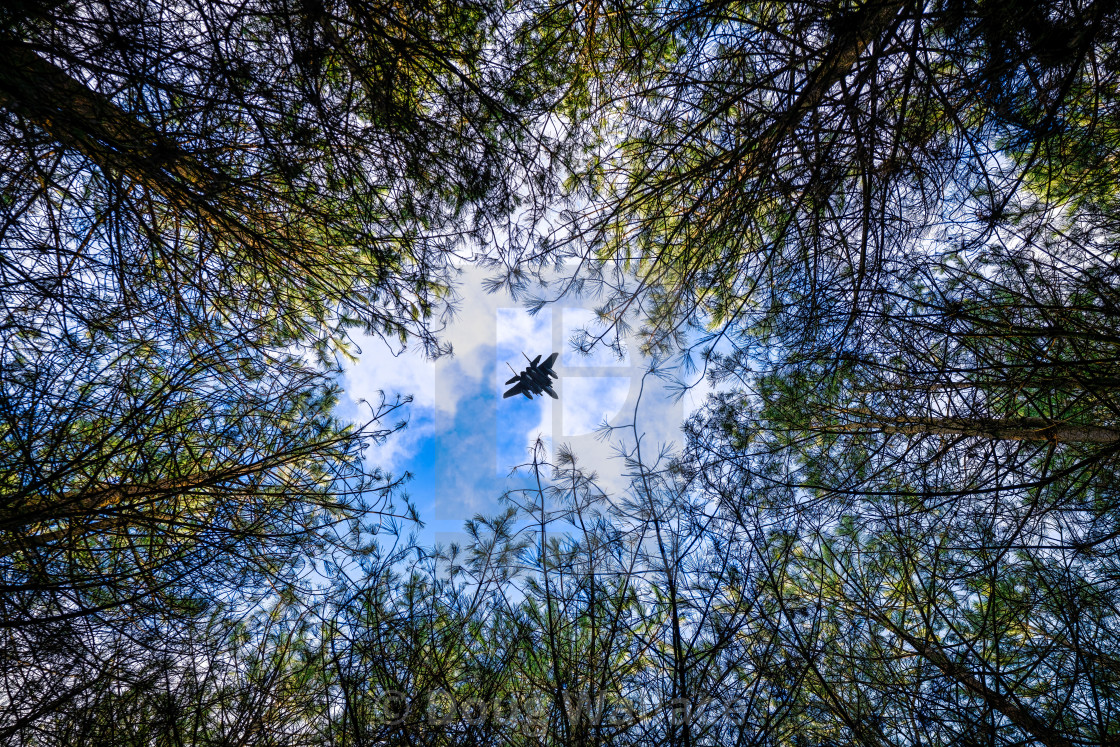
[[535, 378]]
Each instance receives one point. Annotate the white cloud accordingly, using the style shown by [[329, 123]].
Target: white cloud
[[408, 373], [589, 402], [475, 447], [437, 387]]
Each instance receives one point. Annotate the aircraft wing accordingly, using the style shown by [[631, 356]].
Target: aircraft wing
[[547, 365], [515, 378], [519, 389]]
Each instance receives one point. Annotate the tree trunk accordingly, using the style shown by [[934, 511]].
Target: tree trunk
[[89, 122], [859, 32], [1015, 713]]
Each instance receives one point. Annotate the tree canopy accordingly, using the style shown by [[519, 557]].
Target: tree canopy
[[885, 231]]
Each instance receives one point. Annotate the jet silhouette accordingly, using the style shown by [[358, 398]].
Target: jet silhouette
[[535, 379]]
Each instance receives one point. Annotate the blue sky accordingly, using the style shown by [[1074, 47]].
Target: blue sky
[[463, 438]]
